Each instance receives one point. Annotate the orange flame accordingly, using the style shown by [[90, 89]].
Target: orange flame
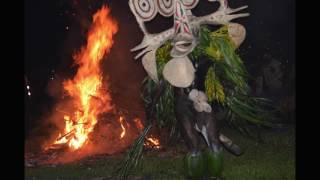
[[123, 133], [86, 87]]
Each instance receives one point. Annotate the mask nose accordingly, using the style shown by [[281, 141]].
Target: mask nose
[[184, 40], [181, 21]]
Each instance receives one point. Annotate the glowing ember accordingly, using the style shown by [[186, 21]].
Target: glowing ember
[[86, 87], [123, 133], [153, 142]]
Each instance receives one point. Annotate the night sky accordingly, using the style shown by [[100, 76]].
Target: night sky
[[55, 29]]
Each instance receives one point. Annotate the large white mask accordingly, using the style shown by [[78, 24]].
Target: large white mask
[[179, 71]]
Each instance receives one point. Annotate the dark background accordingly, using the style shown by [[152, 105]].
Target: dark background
[[54, 30]]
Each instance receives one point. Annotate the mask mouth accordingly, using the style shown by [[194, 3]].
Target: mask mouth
[[182, 45]]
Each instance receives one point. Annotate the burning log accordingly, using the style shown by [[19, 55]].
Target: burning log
[[65, 135]]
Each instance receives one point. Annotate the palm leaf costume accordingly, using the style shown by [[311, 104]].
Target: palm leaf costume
[[225, 84], [192, 73]]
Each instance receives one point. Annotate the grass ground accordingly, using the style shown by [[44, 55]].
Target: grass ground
[[274, 159]]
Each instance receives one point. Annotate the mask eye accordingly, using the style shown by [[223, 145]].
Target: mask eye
[[159, 24], [205, 7]]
